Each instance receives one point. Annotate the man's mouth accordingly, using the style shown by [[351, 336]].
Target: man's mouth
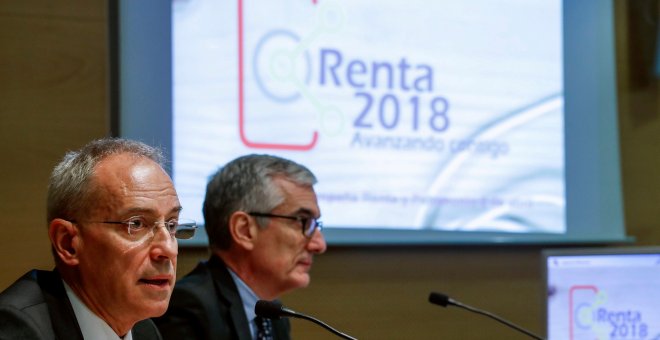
[[305, 262], [156, 281]]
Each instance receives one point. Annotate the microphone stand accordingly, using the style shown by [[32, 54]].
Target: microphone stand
[[496, 318], [444, 300], [275, 310], [322, 324]]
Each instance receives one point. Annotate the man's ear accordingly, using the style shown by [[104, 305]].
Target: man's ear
[[65, 239], [243, 230]]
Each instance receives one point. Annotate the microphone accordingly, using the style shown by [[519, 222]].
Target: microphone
[[444, 301], [275, 310]]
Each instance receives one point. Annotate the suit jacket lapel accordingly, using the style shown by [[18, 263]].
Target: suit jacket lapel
[[228, 293], [61, 313]]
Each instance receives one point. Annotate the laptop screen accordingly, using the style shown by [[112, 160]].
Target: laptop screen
[[606, 293]]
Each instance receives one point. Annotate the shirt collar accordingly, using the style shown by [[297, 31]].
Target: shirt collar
[[91, 326]]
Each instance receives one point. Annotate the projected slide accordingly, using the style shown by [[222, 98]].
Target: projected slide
[[604, 297], [443, 115]]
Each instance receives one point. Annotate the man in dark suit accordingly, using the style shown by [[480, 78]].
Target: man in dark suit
[[261, 215], [115, 265]]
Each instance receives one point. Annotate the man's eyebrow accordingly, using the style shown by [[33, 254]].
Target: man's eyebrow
[[304, 211]]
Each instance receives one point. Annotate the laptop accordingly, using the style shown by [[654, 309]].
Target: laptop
[[602, 293]]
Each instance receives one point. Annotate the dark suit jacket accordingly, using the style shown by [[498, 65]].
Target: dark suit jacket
[[36, 307], [206, 305]]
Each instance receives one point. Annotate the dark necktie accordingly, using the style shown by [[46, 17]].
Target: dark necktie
[[264, 328]]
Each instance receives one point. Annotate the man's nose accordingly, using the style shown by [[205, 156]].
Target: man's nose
[[164, 244], [317, 243]]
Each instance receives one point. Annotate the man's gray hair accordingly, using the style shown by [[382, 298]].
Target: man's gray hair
[[246, 184], [69, 189]]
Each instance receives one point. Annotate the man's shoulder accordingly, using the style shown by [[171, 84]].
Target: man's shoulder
[[195, 288], [205, 274], [146, 330], [23, 308], [198, 307], [208, 286], [199, 276], [26, 291]]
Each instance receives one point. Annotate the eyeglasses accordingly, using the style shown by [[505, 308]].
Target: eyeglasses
[[309, 224], [138, 227]]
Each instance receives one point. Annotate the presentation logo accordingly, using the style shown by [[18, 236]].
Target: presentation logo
[[592, 317], [305, 77], [281, 67]]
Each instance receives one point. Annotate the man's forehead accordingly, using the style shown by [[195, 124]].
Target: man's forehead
[[300, 197], [123, 176], [128, 168]]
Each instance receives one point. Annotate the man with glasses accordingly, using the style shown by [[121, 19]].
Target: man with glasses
[[261, 215], [113, 220]]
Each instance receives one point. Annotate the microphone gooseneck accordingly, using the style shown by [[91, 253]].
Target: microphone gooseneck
[[444, 301], [275, 310]]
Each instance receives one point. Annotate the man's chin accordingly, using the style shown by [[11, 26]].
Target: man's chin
[[302, 280], [157, 309], [156, 304]]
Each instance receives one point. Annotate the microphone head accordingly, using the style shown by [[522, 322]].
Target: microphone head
[[268, 309], [439, 299]]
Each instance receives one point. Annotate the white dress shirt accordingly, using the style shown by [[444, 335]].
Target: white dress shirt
[[91, 326]]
